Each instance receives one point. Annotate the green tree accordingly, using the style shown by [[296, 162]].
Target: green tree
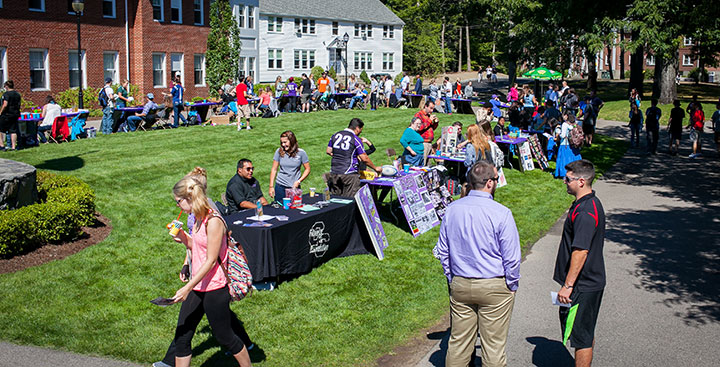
[[223, 45]]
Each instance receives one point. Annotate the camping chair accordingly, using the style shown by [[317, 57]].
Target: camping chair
[[77, 126], [60, 130], [152, 116], [162, 113], [391, 154]]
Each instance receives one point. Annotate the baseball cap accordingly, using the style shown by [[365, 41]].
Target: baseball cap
[[108, 80], [494, 96], [150, 96]]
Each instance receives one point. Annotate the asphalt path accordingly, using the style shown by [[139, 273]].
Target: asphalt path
[[661, 306]]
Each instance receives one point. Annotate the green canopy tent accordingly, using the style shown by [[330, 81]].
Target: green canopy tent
[[542, 73]]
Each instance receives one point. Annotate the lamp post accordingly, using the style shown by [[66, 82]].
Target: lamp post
[[346, 38], [78, 6]]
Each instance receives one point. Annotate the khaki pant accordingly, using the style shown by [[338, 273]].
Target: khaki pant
[[483, 305], [427, 148]]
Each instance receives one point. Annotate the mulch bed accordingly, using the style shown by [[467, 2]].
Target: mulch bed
[[45, 254]]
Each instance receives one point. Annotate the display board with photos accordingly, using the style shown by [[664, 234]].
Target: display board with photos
[[526, 162], [368, 211], [537, 151], [423, 198]]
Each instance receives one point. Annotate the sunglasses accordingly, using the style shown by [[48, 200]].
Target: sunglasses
[[569, 179], [178, 201], [496, 178], [249, 168]]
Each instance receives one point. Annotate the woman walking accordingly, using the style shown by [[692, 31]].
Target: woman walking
[[206, 293], [286, 166], [566, 153], [635, 125]]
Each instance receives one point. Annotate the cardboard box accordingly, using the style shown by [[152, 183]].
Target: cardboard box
[[219, 120]]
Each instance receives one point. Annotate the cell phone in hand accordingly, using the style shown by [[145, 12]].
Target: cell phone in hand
[[163, 302]]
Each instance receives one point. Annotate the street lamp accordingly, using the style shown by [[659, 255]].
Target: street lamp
[[346, 38], [78, 6]]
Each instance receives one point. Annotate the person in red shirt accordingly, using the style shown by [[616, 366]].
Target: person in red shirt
[[241, 92], [697, 123], [427, 127]]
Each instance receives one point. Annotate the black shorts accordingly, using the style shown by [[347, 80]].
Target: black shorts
[[9, 124], [582, 328], [345, 185]]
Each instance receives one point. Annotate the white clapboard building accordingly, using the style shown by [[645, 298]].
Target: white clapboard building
[[296, 35]]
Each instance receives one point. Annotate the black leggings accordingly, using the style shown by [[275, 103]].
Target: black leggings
[[216, 305], [373, 101]]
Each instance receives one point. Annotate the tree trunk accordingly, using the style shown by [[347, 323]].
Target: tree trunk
[[512, 66], [636, 67], [668, 88], [467, 46], [657, 76], [610, 61], [622, 62], [460, 39], [701, 74], [592, 71], [442, 44], [494, 61]]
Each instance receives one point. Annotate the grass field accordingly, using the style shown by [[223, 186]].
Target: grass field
[[347, 312]]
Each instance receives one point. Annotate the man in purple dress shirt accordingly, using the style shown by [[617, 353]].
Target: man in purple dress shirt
[[479, 249]]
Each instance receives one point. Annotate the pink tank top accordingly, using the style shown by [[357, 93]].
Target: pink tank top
[[215, 278]]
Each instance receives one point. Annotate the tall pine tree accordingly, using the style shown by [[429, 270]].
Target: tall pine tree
[[223, 45]]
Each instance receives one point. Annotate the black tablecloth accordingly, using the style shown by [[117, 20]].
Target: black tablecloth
[[305, 241]]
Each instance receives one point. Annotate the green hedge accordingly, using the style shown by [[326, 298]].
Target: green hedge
[[66, 204]]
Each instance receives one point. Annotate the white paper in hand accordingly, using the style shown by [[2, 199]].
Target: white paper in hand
[[555, 302]]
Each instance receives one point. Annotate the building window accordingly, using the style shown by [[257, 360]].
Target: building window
[[688, 41], [650, 60], [305, 26], [275, 24], [363, 60], [388, 61], [177, 67], [363, 30], [251, 66], [241, 16], [687, 60], [158, 11], [176, 11], [304, 59], [110, 65], [199, 70], [158, 70], [108, 8], [198, 12], [243, 70], [274, 58], [3, 64], [36, 5], [74, 68], [251, 17], [388, 31], [335, 29], [39, 69]]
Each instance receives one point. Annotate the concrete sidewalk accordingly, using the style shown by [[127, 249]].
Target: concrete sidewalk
[[12, 355], [662, 303]]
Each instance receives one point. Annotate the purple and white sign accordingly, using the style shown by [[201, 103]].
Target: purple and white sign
[[422, 199], [368, 211]]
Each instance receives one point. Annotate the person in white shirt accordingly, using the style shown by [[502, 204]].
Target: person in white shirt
[[107, 120], [447, 95], [405, 83], [374, 90], [388, 90], [50, 111]]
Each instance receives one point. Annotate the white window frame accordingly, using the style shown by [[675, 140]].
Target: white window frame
[[275, 25], [202, 69], [3, 62], [650, 60], [46, 66], [388, 31], [362, 60], [273, 58], [116, 65], [241, 16], [201, 10], [689, 59], [242, 62], [305, 25], [363, 29], [250, 17], [83, 65], [251, 66], [162, 10], [114, 9], [388, 63], [304, 54], [182, 66], [688, 41], [335, 28], [40, 9], [163, 79], [176, 4]]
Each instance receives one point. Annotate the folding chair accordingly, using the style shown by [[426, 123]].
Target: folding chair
[[162, 113], [149, 120], [391, 154], [77, 126], [60, 130]]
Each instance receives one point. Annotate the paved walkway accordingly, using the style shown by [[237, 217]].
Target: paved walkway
[[12, 355], [662, 251]]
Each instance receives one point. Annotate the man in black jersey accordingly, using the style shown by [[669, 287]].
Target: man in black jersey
[[346, 150], [580, 268]]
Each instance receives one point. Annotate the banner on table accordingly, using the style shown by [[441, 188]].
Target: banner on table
[[370, 216], [423, 198], [526, 162]]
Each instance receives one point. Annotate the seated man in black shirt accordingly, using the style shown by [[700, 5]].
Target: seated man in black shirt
[[243, 190]]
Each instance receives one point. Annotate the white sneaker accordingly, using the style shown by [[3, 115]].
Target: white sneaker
[[693, 155], [160, 364]]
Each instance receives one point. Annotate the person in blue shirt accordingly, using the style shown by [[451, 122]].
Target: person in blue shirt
[[497, 104], [133, 121], [418, 84], [177, 92], [550, 94]]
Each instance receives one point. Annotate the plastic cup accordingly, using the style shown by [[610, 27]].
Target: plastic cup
[[406, 168], [312, 192], [286, 203], [175, 227]]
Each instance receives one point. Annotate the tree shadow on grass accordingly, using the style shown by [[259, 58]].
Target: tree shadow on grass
[[69, 163]]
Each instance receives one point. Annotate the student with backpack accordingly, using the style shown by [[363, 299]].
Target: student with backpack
[[652, 127], [106, 99], [571, 140]]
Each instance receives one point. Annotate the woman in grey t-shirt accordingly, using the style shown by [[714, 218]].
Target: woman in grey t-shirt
[[286, 166]]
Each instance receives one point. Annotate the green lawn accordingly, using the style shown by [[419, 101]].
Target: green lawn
[[347, 312]]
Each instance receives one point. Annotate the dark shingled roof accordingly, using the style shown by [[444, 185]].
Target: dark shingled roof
[[365, 11]]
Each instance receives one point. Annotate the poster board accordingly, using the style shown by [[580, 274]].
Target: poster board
[[368, 211], [423, 198], [526, 162], [449, 141], [537, 151]]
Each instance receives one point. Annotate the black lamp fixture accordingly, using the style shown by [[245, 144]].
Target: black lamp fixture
[[79, 6], [346, 38]]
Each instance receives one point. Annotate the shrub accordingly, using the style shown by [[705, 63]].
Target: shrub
[[364, 77], [66, 204], [398, 78], [695, 74], [258, 88], [316, 72], [69, 98], [332, 73]]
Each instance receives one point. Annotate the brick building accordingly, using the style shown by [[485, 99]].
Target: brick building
[[145, 41]]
